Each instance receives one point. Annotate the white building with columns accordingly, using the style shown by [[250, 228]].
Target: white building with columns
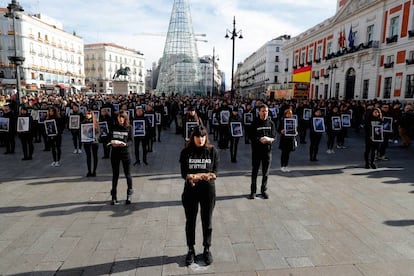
[[365, 51], [102, 60], [53, 58]]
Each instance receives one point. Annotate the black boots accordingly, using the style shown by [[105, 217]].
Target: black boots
[[189, 259], [114, 200], [208, 258], [129, 196]]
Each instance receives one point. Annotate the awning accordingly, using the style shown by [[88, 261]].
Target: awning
[[61, 85]]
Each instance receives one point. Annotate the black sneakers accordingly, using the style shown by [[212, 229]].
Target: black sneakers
[[252, 196], [189, 259], [265, 195], [208, 258]]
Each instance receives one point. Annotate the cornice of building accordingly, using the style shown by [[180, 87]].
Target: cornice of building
[[96, 45]]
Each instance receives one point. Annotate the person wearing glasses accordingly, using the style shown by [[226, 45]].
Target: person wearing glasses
[[199, 160]]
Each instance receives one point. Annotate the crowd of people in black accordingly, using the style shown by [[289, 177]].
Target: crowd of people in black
[[119, 123]]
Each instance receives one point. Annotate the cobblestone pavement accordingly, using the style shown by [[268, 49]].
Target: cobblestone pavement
[[331, 217]]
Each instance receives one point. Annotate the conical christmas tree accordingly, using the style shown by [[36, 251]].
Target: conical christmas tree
[[180, 65]]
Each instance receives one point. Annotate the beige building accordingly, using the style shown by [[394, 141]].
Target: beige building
[[53, 58], [365, 51], [102, 62]]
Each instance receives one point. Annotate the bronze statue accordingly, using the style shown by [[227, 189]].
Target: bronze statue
[[121, 72]]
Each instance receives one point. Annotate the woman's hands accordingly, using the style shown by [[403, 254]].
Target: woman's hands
[[194, 178]]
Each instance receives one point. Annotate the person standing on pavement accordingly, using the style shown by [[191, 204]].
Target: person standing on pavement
[[234, 137], [120, 137], [315, 134], [263, 134], [385, 111], [141, 140], [9, 135], [91, 148], [104, 136], [55, 138], [287, 144], [198, 162], [26, 136], [76, 136], [373, 118]]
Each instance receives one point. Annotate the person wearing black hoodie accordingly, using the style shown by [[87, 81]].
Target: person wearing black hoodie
[[121, 136], [199, 161], [373, 118], [26, 134]]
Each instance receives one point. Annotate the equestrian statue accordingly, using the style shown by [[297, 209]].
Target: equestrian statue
[[121, 72]]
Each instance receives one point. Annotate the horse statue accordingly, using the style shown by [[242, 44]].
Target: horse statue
[[121, 72]]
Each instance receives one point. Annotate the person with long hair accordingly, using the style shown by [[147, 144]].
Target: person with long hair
[[373, 118], [121, 136], [199, 161], [55, 137], [91, 148], [287, 144]]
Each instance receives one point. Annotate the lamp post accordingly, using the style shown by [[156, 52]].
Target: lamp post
[[12, 8], [213, 82], [233, 35]]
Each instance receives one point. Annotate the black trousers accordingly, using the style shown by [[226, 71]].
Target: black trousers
[[234, 141], [144, 143], [55, 143], [315, 139], [91, 150], [371, 149], [126, 164], [203, 194], [264, 158], [284, 158], [76, 138], [27, 146]]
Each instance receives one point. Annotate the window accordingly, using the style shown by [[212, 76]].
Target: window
[[411, 55], [275, 79], [276, 59], [41, 77], [303, 58], [277, 49], [296, 60], [329, 47], [310, 55], [387, 87], [409, 87], [326, 88], [370, 33], [319, 52], [390, 59], [365, 89], [394, 25], [337, 90], [276, 68]]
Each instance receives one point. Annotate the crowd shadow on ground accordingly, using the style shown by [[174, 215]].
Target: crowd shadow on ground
[[114, 267]]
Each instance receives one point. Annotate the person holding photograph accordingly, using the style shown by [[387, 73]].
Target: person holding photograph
[[198, 162], [315, 136], [76, 135], [385, 110], [121, 135], [373, 118], [91, 148], [224, 133], [333, 128], [149, 109], [9, 136], [287, 143], [55, 141], [104, 137], [191, 116], [263, 134], [141, 140], [234, 141], [26, 137]]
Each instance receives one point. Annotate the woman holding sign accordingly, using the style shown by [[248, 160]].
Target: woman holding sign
[[90, 141]]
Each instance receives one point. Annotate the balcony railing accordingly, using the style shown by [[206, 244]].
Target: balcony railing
[[392, 39], [411, 33], [409, 61], [389, 65]]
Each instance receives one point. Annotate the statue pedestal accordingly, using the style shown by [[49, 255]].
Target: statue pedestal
[[120, 87]]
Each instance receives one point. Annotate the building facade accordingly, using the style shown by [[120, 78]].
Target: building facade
[[365, 51], [211, 83], [53, 58], [261, 70], [102, 62]]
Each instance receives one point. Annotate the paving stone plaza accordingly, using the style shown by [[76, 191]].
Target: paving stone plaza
[[331, 217]]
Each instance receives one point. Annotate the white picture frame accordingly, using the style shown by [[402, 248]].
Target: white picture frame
[[248, 118], [87, 133], [377, 133], [23, 124], [224, 117], [51, 127], [4, 124], [157, 118], [319, 124], [42, 116], [74, 121], [103, 129], [189, 127], [346, 120], [290, 126], [139, 128], [336, 123], [387, 124], [151, 119], [307, 114], [236, 129]]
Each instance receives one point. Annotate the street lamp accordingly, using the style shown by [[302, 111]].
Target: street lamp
[[233, 37], [213, 82], [12, 8]]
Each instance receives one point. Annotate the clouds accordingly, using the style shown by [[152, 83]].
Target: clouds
[[119, 21]]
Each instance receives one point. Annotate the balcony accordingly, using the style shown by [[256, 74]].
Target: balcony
[[286, 69], [409, 61], [389, 65], [318, 60], [392, 39], [411, 33], [326, 75]]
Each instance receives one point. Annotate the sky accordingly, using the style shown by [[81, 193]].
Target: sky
[[142, 24]]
